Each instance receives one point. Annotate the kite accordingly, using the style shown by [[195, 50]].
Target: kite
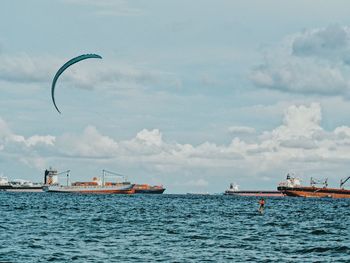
[[63, 68]]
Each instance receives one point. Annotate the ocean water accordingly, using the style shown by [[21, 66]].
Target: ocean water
[[48, 227]]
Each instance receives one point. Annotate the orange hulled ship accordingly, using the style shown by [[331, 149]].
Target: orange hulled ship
[[96, 186], [293, 187]]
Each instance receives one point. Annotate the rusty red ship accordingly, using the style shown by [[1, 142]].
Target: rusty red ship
[[292, 187]]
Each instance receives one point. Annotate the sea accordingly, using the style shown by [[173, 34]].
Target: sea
[[56, 227]]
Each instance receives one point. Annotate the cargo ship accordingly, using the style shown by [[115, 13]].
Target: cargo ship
[[234, 190], [292, 187], [19, 185], [148, 189], [96, 186]]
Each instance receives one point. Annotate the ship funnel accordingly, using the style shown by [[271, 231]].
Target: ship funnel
[[45, 176]]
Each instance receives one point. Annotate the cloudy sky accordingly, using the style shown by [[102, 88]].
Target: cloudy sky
[[189, 94]]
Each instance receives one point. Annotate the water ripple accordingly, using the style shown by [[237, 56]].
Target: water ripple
[[44, 227]]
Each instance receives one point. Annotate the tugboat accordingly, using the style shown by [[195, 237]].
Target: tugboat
[[234, 190], [293, 187], [96, 186]]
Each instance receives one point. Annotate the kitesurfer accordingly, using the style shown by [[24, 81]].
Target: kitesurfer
[[262, 205]]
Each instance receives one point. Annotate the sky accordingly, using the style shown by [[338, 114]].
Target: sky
[[192, 95]]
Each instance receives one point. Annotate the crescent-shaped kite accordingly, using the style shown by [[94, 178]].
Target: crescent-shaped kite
[[63, 68]]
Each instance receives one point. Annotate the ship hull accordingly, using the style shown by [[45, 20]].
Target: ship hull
[[149, 191], [255, 193], [315, 192], [10, 188], [91, 189]]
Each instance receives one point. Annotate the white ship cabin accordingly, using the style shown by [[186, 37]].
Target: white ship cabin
[[4, 180], [21, 182], [233, 187], [291, 181]]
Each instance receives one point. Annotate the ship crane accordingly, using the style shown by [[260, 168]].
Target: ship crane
[[65, 172], [314, 182], [110, 174], [342, 182]]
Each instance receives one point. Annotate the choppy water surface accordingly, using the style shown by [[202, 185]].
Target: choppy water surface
[[42, 227]]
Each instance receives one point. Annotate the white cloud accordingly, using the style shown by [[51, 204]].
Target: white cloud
[[33, 140], [90, 144], [299, 121], [25, 68], [302, 143], [149, 138], [332, 42], [31, 151], [8, 137], [312, 62], [4, 129], [299, 137], [96, 74], [299, 141]]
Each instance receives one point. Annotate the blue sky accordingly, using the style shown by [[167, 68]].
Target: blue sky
[[189, 94]]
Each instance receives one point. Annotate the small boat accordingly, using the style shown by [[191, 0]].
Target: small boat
[[234, 190]]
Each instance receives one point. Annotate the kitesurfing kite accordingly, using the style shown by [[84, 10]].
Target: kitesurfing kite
[[63, 68]]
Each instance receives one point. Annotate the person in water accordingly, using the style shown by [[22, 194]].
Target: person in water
[[262, 205]]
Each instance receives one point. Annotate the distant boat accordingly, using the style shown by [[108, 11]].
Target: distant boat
[[292, 187], [19, 185], [148, 189], [234, 190], [195, 194]]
